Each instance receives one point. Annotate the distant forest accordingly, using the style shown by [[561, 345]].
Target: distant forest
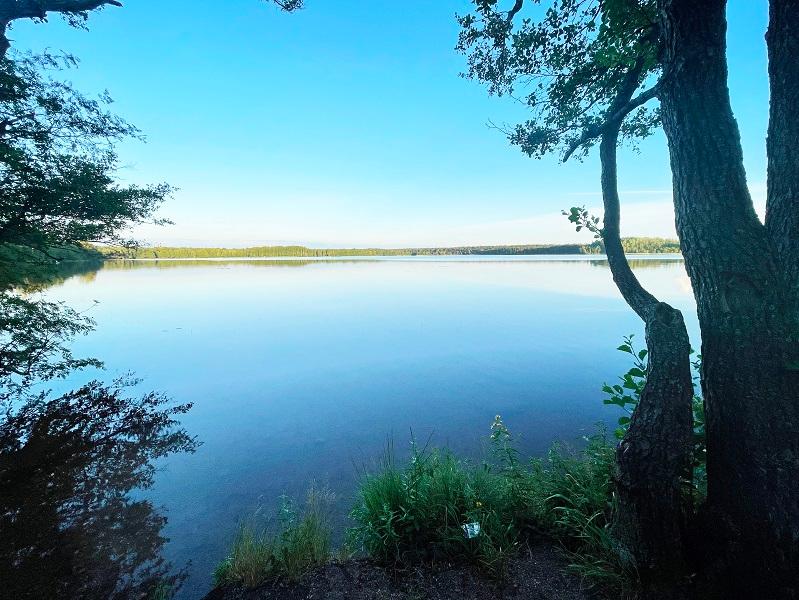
[[632, 245]]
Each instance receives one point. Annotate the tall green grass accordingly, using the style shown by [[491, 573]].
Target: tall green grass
[[572, 502], [415, 513], [301, 543]]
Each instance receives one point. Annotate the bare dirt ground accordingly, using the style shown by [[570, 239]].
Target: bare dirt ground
[[538, 574]]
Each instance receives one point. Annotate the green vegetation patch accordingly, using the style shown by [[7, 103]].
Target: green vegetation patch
[[443, 509], [421, 512], [302, 542]]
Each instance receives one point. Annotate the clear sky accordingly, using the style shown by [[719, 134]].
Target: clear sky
[[346, 124]]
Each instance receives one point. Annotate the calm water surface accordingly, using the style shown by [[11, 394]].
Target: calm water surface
[[300, 371]]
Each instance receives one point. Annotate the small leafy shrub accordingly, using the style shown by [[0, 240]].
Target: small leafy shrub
[[302, 542], [627, 394]]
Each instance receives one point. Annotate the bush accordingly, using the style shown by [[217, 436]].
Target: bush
[[302, 543], [419, 513]]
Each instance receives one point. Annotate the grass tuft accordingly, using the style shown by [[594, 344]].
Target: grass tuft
[[302, 542]]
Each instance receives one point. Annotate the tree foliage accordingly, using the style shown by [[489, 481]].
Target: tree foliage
[[58, 166], [566, 63]]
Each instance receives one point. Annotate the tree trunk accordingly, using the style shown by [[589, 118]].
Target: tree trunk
[[749, 375], [654, 458], [782, 206]]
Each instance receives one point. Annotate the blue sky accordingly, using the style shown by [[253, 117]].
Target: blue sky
[[347, 124]]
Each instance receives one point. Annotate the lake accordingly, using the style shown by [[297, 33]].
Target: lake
[[300, 371]]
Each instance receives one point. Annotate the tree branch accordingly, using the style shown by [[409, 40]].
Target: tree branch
[[515, 10], [641, 301], [11, 10], [38, 9], [614, 117], [289, 5]]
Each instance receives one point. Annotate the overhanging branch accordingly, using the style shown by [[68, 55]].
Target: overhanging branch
[[12, 10], [38, 9], [613, 120]]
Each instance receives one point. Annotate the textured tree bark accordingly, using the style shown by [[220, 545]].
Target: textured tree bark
[[654, 458], [782, 205], [749, 339]]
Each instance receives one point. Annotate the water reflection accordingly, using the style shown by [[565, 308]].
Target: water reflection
[[29, 271], [70, 523], [636, 262], [301, 369]]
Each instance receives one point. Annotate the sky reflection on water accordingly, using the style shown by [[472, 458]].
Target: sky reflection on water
[[301, 370]]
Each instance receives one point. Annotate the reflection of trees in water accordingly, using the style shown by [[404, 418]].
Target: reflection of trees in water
[[70, 465], [638, 264], [29, 271], [69, 527], [125, 265]]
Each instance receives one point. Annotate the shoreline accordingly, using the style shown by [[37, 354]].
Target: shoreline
[[406, 257], [539, 572]]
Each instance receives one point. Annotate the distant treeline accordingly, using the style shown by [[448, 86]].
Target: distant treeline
[[631, 245], [650, 245]]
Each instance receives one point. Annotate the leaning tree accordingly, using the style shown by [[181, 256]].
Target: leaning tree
[[593, 68], [589, 70]]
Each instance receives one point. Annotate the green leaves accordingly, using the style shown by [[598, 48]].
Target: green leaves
[[627, 395], [583, 219], [566, 63], [58, 166]]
